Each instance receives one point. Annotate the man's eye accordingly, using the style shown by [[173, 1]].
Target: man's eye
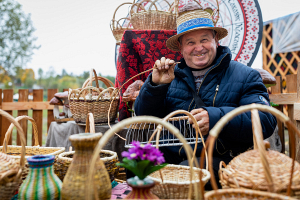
[[190, 43], [204, 40]]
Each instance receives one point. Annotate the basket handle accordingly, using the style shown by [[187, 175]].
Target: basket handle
[[139, 119], [139, 5], [106, 82], [215, 131], [90, 124], [112, 26], [20, 132], [9, 131]]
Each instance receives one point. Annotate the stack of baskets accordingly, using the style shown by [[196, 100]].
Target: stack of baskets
[[102, 103], [10, 170], [153, 19], [16, 151], [116, 28], [109, 158]]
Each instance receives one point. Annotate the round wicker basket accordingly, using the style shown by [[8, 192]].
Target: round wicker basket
[[238, 177], [10, 170]]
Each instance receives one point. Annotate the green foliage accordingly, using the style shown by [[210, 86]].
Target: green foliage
[[17, 41], [273, 104], [140, 168]]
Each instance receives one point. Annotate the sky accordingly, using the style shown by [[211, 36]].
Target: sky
[[75, 34]]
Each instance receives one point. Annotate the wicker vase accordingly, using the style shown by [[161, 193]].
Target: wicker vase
[[74, 181], [41, 182], [141, 192]]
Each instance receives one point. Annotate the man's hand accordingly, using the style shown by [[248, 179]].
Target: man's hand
[[201, 115], [164, 72]]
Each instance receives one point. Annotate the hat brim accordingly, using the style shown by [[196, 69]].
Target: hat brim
[[172, 42]]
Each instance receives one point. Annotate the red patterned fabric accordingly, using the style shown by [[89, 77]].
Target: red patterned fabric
[[139, 49]]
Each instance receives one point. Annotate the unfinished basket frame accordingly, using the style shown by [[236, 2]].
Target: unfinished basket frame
[[213, 134], [140, 119]]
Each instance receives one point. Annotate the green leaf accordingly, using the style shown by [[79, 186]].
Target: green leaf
[[142, 165], [155, 168], [273, 104]]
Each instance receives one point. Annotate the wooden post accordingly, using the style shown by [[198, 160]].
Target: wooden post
[[50, 118], [277, 89], [1, 133], [291, 87], [23, 97], [37, 115], [7, 97], [298, 122]]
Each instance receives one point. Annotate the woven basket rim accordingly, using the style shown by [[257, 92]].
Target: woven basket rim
[[112, 153], [196, 171], [153, 11], [59, 150]]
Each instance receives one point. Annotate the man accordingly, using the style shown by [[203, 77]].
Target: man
[[207, 83]]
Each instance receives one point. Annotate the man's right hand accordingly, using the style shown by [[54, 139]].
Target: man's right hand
[[164, 73]]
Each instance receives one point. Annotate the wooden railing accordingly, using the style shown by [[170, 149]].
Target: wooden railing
[[37, 105]]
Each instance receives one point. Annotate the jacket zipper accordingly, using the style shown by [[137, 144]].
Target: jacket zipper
[[217, 89], [204, 79]]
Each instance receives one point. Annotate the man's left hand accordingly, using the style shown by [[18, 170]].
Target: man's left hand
[[201, 115]]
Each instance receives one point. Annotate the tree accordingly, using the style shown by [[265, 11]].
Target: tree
[[17, 41]]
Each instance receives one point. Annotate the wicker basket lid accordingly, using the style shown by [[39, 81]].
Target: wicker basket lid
[[247, 168], [7, 163]]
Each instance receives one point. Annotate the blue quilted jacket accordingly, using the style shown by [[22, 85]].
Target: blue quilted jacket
[[227, 84]]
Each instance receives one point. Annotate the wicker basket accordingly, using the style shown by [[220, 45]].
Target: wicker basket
[[15, 151], [260, 148], [10, 170], [116, 28], [109, 158], [144, 119], [83, 101], [142, 19]]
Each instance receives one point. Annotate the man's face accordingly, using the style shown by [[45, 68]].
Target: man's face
[[199, 48]]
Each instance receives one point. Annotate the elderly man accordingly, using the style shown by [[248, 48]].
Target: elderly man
[[207, 83]]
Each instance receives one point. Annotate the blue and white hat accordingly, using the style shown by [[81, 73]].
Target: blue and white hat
[[192, 21]]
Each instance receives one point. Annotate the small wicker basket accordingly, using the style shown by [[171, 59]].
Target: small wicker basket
[[258, 146], [10, 170], [16, 151], [109, 158], [116, 28], [95, 100], [193, 186], [143, 19]]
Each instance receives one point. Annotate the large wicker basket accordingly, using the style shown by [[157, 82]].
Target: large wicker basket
[[15, 151], [116, 28], [260, 148], [95, 100], [10, 170], [143, 19], [193, 186], [109, 158]]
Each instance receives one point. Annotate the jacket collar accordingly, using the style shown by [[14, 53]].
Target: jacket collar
[[183, 71]]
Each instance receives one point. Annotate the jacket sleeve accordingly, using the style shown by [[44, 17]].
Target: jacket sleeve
[[239, 129], [151, 99]]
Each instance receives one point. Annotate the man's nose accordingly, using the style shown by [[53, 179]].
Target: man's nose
[[198, 47]]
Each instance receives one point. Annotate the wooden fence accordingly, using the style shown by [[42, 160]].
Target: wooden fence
[[37, 105]]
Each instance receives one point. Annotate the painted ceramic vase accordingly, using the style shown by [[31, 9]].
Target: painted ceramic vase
[[41, 182], [141, 192], [75, 179]]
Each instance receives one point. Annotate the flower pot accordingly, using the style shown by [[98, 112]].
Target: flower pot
[[41, 182], [141, 191]]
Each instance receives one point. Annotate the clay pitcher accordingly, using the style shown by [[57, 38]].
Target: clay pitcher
[[75, 179]]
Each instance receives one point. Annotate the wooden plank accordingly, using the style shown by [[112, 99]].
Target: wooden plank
[[37, 115], [284, 98], [7, 97], [297, 158], [27, 106], [277, 89], [23, 97], [50, 117], [1, 118], [291, 83]]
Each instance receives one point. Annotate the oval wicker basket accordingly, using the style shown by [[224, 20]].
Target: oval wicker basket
[[259, 147], [15, 151], [116, 28], [83, 101], [142, 19], [168, 185], [144, 119], [10, 171]]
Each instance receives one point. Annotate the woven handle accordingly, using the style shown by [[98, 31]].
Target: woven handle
[[140, 119], [20, 132], [106, 82], [113, 21], [139, 6], [215, 131], [9, 131], [90, 123]]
